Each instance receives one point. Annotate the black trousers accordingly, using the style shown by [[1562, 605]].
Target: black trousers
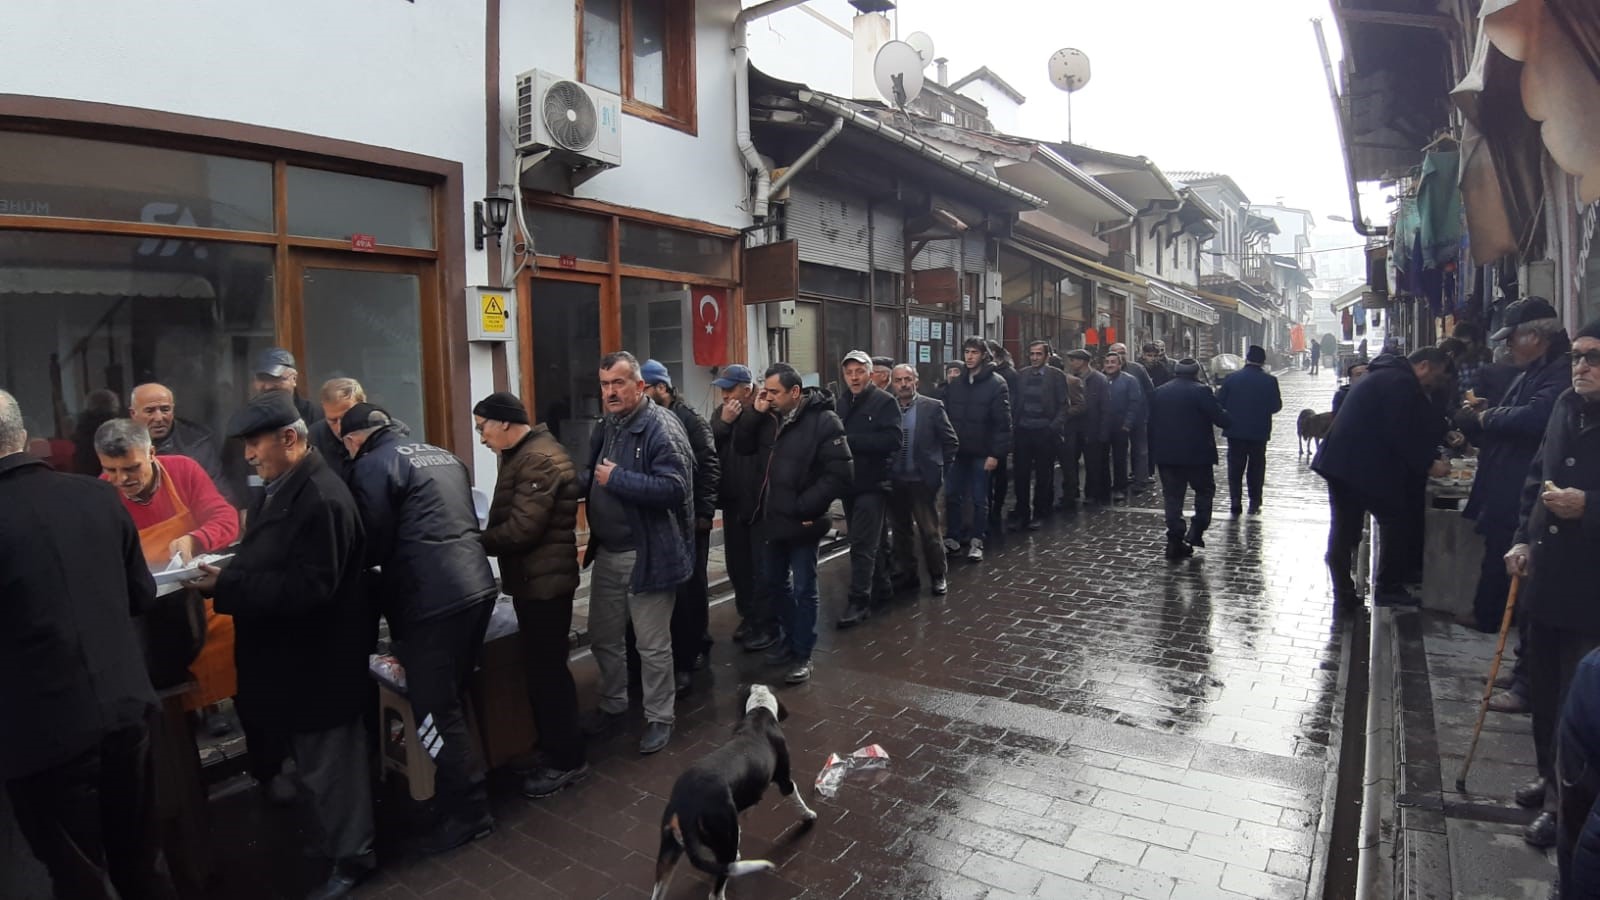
[[1247, 464], [1037, 450], [1489, 603], [999, 485], [545, 626], [1349, 508], [1553, 656], [439, 656], [866, 514], [1096, 470], [739, 546], [1119, 459], [1071, 449], [692, 611], [1176, 481], [914, 511], [91, 820]]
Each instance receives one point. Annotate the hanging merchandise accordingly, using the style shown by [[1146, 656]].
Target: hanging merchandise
[[1438, 208]]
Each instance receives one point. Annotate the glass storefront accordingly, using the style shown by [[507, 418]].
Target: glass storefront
[[206, 279]]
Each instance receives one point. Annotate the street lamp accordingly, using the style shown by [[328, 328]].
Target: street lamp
[[489, 217]]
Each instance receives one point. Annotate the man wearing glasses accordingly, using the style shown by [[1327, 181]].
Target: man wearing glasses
[[1555, 545]]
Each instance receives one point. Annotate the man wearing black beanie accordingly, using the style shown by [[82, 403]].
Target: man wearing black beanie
[[532, 531]]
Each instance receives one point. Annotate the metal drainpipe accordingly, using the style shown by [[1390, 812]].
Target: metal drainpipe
[[1357, 220], [805, 158], [741, 99]]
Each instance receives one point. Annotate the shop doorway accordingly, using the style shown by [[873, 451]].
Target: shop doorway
[[562, 334], [362, 319]]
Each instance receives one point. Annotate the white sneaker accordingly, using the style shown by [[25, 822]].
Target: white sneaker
[[975, 552]]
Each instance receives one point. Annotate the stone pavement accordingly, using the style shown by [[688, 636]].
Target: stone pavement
[[1447, 843], [1077, 718]]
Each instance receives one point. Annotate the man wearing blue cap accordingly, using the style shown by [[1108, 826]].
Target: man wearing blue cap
[[737, 495], [691, 637]]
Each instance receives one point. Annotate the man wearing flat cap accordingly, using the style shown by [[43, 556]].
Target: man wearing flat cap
[[532, 530], [276, 370], [302, 631], [438, 592]]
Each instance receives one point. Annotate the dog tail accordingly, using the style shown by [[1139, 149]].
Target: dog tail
[[701, 856]]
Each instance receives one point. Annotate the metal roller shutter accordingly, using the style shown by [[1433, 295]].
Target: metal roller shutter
[[830, 225]]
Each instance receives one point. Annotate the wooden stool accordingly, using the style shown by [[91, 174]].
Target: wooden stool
[[402, 752]]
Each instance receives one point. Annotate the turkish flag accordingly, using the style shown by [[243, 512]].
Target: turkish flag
[[710, 326]]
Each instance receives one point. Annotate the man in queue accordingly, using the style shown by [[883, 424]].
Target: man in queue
[[639, 482], [338, 396], [532, 530], [691, 635], [303, 630], [928, 445], [153, 406], [437, 594], [180, 515], [740, 486], [74, 690]]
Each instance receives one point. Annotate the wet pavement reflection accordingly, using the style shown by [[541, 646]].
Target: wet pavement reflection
[[1077, 718]]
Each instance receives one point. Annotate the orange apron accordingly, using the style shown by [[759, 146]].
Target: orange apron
[[213, 668]]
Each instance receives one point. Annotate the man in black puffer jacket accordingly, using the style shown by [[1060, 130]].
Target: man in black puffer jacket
[[436, 590], [872, 424], [805, 461], [979, 405]]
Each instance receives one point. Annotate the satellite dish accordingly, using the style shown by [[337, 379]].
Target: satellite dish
[[1069, 69], [924, 45], [898, 72]]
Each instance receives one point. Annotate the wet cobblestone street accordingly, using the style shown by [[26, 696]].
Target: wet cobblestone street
[[1077, 718]]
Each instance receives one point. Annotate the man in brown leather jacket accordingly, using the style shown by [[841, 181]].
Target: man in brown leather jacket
[[532, 530]]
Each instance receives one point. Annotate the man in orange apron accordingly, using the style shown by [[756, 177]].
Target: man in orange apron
[[178, 512]]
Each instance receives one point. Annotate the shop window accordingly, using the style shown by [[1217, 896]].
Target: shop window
[[642, 50], [847, 327], [652, 247], [64, 177], [559, 232], [85, 318], [335, 205], [367, 325], [828, 281], [653, 313], [798, 345], [566, 359]]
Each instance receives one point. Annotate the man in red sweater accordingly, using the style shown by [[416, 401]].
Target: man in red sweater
[[173, 501], [177, 510]]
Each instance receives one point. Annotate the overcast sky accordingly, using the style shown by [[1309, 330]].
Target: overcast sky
[[1232, 86]]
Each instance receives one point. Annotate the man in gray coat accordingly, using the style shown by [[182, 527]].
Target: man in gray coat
[[928, 443]]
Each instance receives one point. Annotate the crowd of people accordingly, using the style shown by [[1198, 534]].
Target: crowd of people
[[1529, 412], [347, 518]]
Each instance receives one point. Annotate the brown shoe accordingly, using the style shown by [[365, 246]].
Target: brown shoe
[[1509, 702]]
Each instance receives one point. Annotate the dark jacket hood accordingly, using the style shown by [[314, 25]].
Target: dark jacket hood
[[984, 370], [1389, 361]]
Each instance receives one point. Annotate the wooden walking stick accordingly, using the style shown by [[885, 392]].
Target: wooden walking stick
[[1488, 687]]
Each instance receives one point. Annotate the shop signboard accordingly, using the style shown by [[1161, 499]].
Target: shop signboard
[[772, 273]]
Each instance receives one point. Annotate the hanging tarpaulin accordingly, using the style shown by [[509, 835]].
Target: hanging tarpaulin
[[1438, 208], [1297, 338]]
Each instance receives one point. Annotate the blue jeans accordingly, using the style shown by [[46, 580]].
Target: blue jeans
[[966, 480], [789, 569]]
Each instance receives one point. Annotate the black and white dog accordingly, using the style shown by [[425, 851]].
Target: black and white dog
[[702, 817]]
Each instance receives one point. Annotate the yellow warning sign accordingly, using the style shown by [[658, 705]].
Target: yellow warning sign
[[492, 313]]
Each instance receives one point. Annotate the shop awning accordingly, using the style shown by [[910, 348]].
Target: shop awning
[[1349, 298], [1558, 44], [1176, 300], [1233, 305], [1085, 268], [105, 283]]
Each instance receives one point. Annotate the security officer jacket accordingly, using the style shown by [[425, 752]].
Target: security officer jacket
[[422, 530]]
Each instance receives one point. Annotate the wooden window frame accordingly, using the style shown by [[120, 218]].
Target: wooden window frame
[[681, 107]]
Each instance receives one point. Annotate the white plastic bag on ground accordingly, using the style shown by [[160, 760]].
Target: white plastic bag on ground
[[869, 758]]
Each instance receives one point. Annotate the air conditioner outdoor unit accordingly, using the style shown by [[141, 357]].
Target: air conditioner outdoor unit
[[580, 125]]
